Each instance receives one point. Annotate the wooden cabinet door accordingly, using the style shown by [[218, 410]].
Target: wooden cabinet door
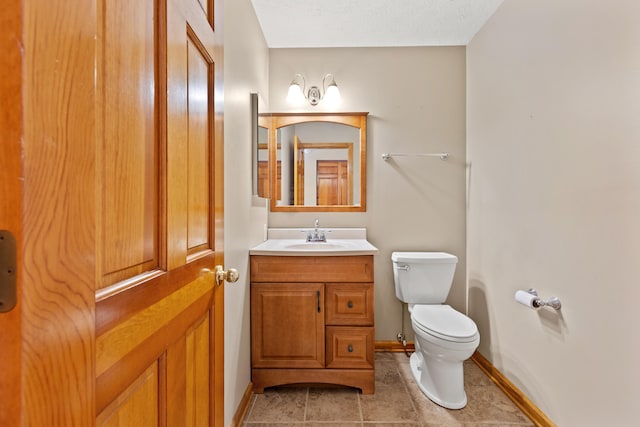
[[122, 213], [287, 325]]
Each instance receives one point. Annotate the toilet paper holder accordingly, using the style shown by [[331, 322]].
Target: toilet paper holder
[[552, 302]]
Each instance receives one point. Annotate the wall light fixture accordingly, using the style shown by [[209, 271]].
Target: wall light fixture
[[330, 93]]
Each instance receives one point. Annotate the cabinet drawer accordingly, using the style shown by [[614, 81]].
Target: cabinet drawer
[[349, 304], [312, 268], [349, 347]]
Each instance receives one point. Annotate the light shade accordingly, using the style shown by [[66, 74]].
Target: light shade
[[295, 95], [332, 95]]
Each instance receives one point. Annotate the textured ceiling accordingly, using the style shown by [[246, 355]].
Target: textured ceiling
[[371, 23]]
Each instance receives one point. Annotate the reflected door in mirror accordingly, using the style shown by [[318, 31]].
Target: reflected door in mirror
[[333, 182]]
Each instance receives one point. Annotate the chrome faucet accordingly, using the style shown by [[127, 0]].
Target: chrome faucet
[[318, 235]]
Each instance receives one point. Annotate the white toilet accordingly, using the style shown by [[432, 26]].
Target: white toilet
[[444, 337]]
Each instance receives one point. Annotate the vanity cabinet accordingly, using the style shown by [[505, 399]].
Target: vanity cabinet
[[312, 321]]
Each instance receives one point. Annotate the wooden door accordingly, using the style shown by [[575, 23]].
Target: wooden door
[[332, 182], [298, 171], [11, 203], [287, 325], [122, 212], [263, 180]]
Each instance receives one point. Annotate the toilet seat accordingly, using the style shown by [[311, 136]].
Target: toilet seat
[[444, 322]]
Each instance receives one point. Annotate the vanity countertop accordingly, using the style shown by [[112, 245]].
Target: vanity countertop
[[292, 242]]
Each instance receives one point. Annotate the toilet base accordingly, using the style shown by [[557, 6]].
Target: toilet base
[[442, 382]]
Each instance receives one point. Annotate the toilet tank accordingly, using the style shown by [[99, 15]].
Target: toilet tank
[[423, 277]]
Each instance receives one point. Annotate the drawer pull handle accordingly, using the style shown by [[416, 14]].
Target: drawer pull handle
[[350, 348], [318, 296], [350, 304]]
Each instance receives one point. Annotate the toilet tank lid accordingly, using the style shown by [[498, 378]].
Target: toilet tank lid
[[424, 257]]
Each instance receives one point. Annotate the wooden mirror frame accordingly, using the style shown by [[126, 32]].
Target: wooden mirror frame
[[275, 121]]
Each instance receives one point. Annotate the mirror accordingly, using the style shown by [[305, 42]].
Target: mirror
[[262, 149], [319, 161], [259, 151], [255, 153]]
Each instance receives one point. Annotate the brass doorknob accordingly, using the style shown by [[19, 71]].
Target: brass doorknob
[[231, 275]]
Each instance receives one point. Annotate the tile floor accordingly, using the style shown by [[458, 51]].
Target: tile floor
[[397, 402]]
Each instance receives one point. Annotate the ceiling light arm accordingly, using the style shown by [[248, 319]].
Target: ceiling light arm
[[296, 94], [295, 81], [324, 80], [331, 92]]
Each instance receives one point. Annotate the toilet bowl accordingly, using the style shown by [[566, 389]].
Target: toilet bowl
[[441, 348], [444, 337]]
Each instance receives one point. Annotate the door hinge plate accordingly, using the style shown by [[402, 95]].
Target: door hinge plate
[[8, 275]]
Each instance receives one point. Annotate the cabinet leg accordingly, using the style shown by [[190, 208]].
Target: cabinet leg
[[368, 388]]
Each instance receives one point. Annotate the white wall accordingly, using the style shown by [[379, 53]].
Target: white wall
[[416, 101], [554, 202], [246, 70]]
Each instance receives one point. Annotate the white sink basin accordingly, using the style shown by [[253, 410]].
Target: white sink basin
[[315, 246], [291, 242]]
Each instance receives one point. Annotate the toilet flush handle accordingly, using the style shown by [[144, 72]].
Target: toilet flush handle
[[403, 267]]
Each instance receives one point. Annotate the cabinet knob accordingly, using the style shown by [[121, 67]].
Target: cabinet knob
[[350, 304], [350, 348]]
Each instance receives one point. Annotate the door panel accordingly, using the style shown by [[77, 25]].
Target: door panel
[[207, 8], [200, 115], [126, 86], [189, 373], [135, 406]]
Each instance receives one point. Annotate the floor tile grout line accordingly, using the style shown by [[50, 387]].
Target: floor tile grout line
[[251, 406], [360, 409], [415, 403], [306, 407], [406, 389]]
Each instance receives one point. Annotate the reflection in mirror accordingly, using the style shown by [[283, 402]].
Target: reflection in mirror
[[320, 167], [263, 161], [259, 152], [320, 162]]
